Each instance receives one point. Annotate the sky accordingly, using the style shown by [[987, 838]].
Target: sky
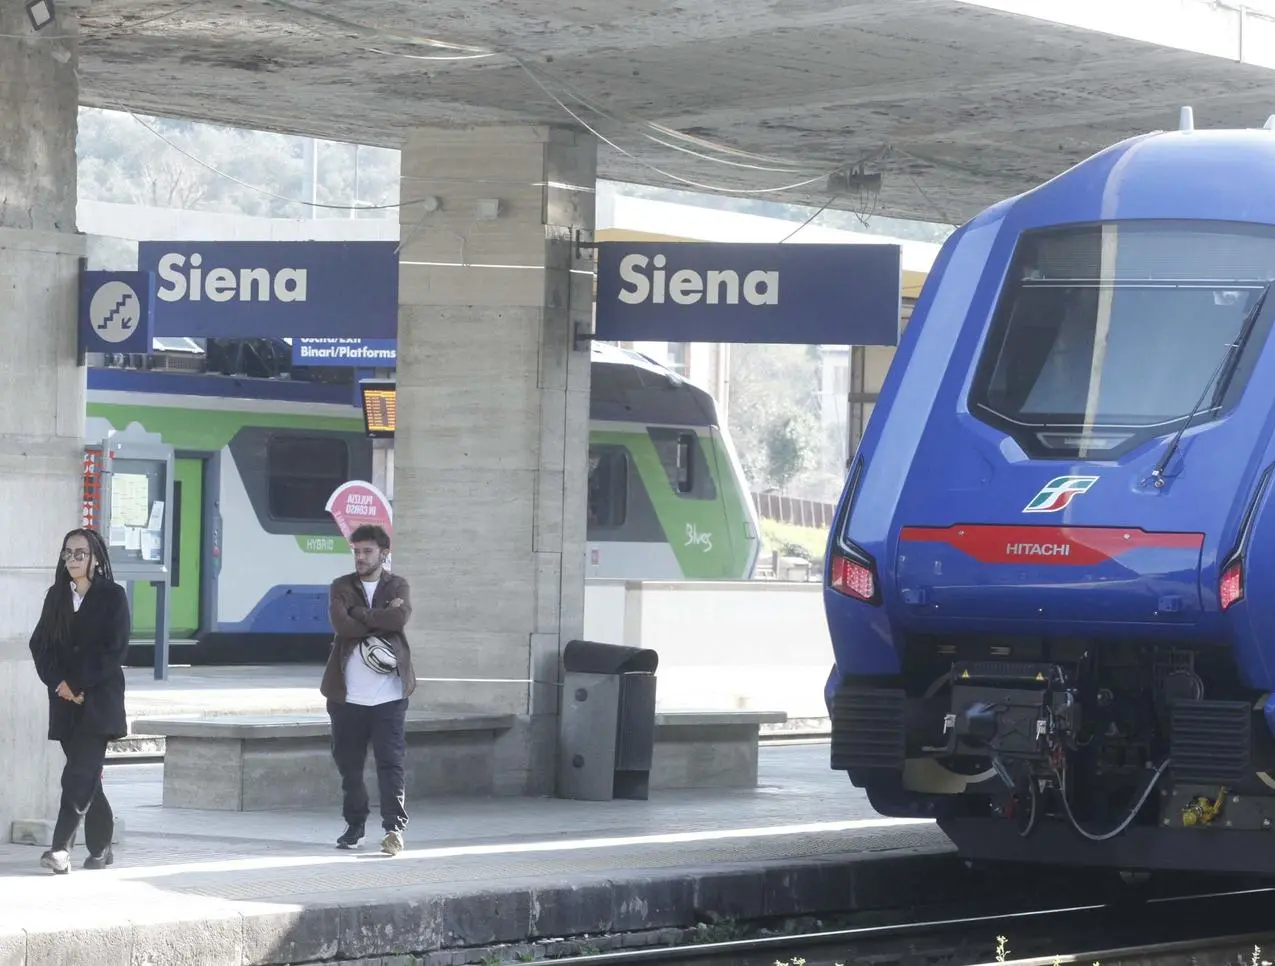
[[1203, 26]]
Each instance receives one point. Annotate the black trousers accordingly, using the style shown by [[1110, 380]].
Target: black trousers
[[353, 726], [83, 796]]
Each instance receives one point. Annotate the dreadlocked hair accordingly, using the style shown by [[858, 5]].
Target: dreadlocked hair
[[63, 610]]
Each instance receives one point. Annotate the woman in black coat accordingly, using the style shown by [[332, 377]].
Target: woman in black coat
[[79, 646]]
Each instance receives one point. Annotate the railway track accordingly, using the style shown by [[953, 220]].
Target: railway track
[[1199, 929]]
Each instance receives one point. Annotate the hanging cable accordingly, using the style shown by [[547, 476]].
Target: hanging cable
[[773, 164], [716, 189], [317, 204], [1033, 803], [819, 211], [1128, 819], [542, 79], [521, 61], [460, 52], [390, 53], [380, 33]]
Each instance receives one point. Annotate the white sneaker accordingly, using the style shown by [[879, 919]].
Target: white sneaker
[[392, 844], [59, 862]]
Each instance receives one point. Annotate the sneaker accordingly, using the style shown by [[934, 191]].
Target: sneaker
[[350, 837], [100, 861], [59, 862], [392, 844]]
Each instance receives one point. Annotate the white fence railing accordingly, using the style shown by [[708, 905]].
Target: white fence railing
[[722, 644]]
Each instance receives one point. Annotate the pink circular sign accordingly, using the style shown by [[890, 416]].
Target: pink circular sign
[[355, 503]]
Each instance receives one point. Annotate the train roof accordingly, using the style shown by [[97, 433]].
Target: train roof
[[627, 386], [1188, 174]]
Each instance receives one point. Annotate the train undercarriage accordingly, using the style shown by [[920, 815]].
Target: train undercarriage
[[1070, 752]]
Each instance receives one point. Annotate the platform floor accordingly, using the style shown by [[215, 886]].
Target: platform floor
[[230, 868]]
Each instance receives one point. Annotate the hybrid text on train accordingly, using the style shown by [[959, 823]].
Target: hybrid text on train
[[687, 286]]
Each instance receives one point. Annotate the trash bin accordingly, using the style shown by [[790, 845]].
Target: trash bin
[[606, 735]]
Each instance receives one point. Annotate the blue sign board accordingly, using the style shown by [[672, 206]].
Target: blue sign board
[[117, 312], [375, 353], [243, 290], [721, 292]]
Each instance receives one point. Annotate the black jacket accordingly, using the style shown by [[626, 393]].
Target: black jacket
[[91, 662]]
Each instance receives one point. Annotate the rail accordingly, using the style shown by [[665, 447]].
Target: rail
[[1161, 928]]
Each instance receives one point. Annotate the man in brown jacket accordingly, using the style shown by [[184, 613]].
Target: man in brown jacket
[[367, 682]]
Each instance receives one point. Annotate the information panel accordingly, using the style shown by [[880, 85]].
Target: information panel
[[380, 408]]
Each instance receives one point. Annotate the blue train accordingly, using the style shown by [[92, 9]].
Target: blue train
[[1045, 577]]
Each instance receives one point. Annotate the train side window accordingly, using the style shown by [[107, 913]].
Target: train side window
[[682, 456], [302, 472], [608, 486], [684, 451]]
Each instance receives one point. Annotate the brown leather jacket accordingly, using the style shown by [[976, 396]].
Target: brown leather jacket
[[352, 620]]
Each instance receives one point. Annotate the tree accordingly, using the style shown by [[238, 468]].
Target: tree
[[792, 446], [122, 161], [769, 383]]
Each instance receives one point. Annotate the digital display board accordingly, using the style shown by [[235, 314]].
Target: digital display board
[[380, 408]]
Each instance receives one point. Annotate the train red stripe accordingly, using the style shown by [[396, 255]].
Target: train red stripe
[[1011, 543]]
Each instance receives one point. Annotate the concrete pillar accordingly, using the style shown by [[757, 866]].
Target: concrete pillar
[[490, 463], [41, 388]]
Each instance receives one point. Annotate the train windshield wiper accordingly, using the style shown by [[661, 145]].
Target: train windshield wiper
[[1230, 358]]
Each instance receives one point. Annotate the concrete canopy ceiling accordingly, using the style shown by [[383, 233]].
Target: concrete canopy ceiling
[[954, 105]]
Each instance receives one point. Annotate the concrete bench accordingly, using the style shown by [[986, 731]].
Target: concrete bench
[[708, 749], [244, 763], [250, 763]]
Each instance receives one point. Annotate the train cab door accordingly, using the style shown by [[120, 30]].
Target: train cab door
[[185, 600]]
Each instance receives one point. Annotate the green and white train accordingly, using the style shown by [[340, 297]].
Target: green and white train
[[257, 459]]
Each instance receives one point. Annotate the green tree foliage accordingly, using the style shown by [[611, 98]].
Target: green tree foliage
[[774, 411], [792, 446]]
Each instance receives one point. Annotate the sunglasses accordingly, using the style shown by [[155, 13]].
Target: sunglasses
[[76, 555]]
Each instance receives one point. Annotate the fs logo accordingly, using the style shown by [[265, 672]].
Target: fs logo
[[1058, 493]]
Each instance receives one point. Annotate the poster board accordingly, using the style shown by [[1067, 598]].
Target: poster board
[[137, 501], [128, 497]]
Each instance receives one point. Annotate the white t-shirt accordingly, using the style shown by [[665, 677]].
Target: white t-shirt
[[363, 686]]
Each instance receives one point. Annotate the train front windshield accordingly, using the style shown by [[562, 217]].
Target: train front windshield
[[1106, 335]]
